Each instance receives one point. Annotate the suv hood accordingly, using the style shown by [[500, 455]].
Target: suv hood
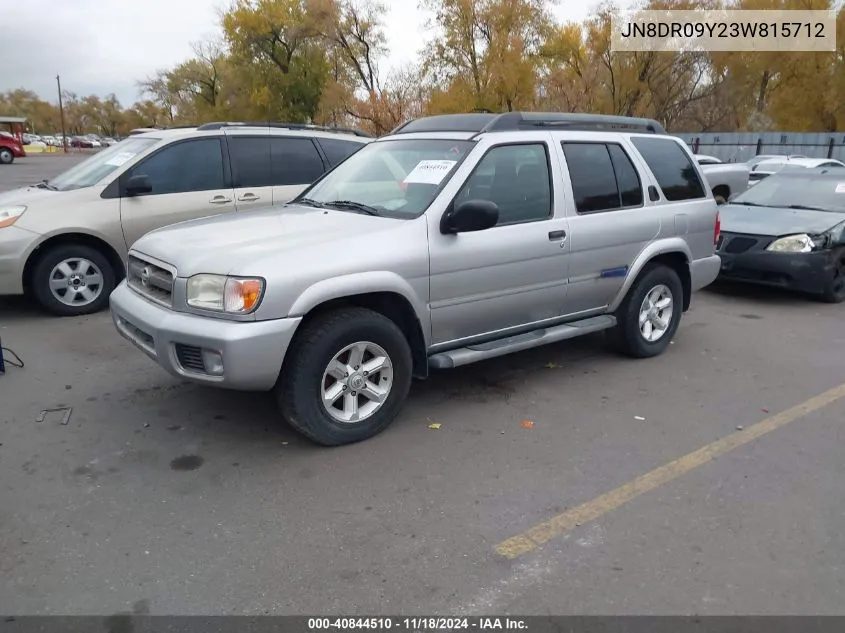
[[237, 243], [776, 221]]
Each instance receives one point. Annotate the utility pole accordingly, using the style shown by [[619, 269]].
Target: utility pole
[[62, 113]]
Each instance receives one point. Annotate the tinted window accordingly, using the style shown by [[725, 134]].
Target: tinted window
[[671, 167], [516, 178], [188, 166], [337, 151], [593, 180], [627, 178], [295, 161], [250, 160]]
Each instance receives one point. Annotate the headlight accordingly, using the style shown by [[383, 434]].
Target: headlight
[[801, 243], [236, 295], [8, 215]]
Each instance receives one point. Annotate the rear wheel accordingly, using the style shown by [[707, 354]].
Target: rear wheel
[[6, 156], [650, 313], [345, 377], [73, 279]]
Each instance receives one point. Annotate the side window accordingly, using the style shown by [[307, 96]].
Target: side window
[[519, 184], [592, 176], [672, 168], [168, 173], [627, 178], [295, 161], [250, 159], [338, 151]]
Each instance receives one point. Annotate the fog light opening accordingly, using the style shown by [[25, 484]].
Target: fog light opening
[[213, 362]]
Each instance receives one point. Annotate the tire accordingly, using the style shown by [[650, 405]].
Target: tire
[[834, 291], [304, 378], [720, 200], [81, 267], [6, 156], [627, 336]]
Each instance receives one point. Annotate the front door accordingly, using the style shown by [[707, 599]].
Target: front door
[[188, 180], [485, 283]]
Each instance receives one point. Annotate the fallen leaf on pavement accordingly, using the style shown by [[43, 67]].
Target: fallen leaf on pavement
[[639, 417], [434, 425], [552, 365], [527, 424]]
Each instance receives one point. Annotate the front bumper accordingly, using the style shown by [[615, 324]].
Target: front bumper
[[804, 272], [15, 244], [248, 355]]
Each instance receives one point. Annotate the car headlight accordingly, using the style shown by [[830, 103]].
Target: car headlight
[[8, 215], [801, 243], [235, 295]]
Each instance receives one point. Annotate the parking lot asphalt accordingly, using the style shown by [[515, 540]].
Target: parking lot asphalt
[[171, 498]]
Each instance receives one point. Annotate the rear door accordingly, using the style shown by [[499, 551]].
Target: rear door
[[249, 156], [610, 225], [295, 163], [189, 180]]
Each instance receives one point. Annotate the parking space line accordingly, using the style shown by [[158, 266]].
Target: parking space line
[[562, 523]]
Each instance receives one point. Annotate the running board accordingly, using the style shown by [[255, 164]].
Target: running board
[[519, 342]]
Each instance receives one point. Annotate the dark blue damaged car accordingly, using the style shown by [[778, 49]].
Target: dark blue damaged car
[[788, 231]]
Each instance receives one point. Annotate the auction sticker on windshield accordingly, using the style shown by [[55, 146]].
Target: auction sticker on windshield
[[840, 188], [429, 172], [118, 159]]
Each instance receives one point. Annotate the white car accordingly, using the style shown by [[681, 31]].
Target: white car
[[703, 159], [766, 168]]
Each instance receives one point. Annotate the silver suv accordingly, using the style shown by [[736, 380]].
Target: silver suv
[[65, 241], [455, 239]]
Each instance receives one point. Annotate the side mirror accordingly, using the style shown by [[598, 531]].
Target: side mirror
[[471, 215], [138, 184]]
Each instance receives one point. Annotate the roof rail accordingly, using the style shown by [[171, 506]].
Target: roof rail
[[219, 125], [513, 121]]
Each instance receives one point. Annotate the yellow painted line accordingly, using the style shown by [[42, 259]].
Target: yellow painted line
[[591, 510]]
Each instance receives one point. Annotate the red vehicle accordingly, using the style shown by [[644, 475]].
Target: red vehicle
[[11, 141]]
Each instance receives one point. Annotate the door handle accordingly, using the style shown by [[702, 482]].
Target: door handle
[[220, 200], [557, 235], [249, 197]]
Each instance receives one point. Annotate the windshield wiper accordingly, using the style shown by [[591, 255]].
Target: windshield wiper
[[748, 204], [307, 202], [357, 206], [806, 208], [45, 184]]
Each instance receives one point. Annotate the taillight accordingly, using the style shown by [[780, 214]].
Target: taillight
[[717, 229]]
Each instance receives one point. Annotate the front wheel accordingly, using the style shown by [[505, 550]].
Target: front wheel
[[345, 377], [73, 280], [834, 291], [6, 156], [650, 314]]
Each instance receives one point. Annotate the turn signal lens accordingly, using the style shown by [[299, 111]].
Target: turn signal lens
[[242, 295]]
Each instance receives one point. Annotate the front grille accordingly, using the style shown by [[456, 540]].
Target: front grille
[[150, 280], [735, 244], [190, 357]]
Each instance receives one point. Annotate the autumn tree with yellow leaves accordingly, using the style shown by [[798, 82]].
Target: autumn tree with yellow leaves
[[324, 61]]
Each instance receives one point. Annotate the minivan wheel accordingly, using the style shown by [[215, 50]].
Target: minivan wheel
[[650, 314], [345, 377], [6, 156], [72, 279]]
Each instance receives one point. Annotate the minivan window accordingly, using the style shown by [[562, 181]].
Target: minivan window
[[672, 168], [250, 160], [338, 151], [294, 161], [92, 170], [195, 165]]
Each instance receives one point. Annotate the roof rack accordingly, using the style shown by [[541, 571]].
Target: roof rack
[[513, 121], [219, 125]]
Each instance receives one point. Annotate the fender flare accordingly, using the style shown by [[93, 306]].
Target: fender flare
[[662, 247]]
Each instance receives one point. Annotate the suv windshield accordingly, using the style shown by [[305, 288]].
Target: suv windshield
[[91, 171], [798, 190], [394, 178]]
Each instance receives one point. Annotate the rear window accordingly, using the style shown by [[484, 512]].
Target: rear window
[[672, 168]]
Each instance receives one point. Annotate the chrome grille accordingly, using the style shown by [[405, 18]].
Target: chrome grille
[[150, 280]]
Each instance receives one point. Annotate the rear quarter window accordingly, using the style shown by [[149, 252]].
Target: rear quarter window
[[672, 168]]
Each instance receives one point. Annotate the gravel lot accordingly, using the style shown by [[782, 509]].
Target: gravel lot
[[179, 499]]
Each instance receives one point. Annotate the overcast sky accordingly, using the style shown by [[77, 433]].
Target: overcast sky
[[103, 46]]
